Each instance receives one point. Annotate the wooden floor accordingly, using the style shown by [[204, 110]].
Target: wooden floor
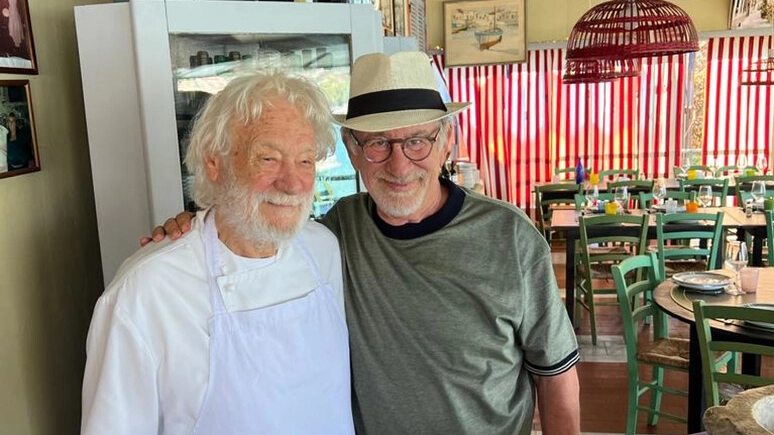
[[603, 373]]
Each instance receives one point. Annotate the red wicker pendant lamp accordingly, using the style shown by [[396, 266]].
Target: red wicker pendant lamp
[[619, 30], [599, 71]]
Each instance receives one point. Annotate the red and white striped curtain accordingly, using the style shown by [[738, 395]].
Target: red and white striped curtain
[[525, 122], [737, 118]]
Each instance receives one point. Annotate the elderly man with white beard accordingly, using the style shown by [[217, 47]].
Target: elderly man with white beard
[[237, 327]]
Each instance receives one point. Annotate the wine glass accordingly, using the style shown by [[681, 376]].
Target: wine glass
[[659, 191], [741, 162], [736, 259], [705, 196], [762, 164], [592, 195], [685, 162], [758, 190], [621, 196]]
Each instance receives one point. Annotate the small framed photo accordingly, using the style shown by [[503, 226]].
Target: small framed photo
[[18, 142], [482, 32], [17, 50], [746, 14]]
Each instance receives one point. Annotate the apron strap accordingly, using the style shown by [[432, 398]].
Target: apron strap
[[310, 261]]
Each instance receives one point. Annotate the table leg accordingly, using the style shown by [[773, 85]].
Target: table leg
[[696, 404]]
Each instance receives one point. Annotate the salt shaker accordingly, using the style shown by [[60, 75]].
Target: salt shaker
[[748, 209]]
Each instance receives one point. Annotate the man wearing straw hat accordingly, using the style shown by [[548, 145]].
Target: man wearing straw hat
[[452, 305]]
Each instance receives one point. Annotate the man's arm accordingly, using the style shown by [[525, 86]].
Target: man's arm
[[119, 382], [173, 227], [559, 403]]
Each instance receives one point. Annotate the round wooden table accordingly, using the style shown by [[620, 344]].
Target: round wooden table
[[677, 302]]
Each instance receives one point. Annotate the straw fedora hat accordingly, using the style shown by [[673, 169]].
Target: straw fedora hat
[[396, 91]]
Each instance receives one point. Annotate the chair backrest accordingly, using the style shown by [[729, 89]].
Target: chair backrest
[[770, 235], [635, 278], [548, 195], [631, 173], [744, 185], [580, 199], [709, 346], [719, 186], [626, 231], [646, 198], [668, 229], [565, 171], [724, 170]]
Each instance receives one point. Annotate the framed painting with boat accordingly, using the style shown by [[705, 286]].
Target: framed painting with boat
[[483, 32]]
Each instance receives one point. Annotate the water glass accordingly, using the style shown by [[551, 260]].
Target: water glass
[[705, 196], [736, 259], [758, 190]]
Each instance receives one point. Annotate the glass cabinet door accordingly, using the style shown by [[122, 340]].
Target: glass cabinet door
[[203, 64]]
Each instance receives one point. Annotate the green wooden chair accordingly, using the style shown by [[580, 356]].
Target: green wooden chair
[[634, 187], [646, 198], [719, 186], [619, 237], [635, 278], [580, 199], [744, 185], [631, 173], [770, 236], [565, 173], [727, 170], [704, 168], [713, 372], [681, 250], [549, 196]]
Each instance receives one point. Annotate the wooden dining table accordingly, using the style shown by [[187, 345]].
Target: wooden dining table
[[567, 220], [677, 302]]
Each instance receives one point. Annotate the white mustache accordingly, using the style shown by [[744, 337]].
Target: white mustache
[[282, 199]]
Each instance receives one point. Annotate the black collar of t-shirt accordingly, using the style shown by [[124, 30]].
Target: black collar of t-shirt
[[428, 225]]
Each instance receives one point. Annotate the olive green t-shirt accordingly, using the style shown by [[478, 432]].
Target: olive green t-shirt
[[448, 317]]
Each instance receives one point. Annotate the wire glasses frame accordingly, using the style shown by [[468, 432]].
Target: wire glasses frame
[[379, 149]]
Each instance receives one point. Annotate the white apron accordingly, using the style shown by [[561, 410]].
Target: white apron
[[282, 369]]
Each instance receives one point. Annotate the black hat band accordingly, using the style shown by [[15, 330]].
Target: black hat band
[[394, 100]]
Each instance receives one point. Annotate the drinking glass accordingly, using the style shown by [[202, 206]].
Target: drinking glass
[[758, 190], [762, 164], [592, 195], [621, 196], [736, 259], [705, 196], [659, 191], [741, 162]]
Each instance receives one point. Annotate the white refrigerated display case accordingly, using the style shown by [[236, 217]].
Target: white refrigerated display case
[[147, 66]]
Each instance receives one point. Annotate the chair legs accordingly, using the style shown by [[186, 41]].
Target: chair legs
[[655, 395], [585, 299], [631, 412]]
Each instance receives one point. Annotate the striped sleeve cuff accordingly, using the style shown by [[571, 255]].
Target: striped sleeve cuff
[[562, 366]]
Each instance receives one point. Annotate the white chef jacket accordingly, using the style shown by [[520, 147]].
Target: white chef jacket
[[147, 349]]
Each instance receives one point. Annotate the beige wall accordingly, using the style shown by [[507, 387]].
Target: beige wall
[[552, 20], [50, 274]]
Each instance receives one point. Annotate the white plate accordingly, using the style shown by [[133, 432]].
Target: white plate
[[766, 325], [705, 281], [662, 208]]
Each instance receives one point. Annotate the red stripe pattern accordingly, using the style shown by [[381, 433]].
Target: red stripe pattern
[[524, 121]]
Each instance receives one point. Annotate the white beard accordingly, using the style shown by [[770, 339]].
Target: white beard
[[240, 210]]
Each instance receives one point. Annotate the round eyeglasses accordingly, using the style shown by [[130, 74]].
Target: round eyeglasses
[[379, 149]]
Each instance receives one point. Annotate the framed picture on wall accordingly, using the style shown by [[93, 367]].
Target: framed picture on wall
[[18, 143], [400, 17], [17, 50], [483, 32], [388, 23], [746, 14]]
